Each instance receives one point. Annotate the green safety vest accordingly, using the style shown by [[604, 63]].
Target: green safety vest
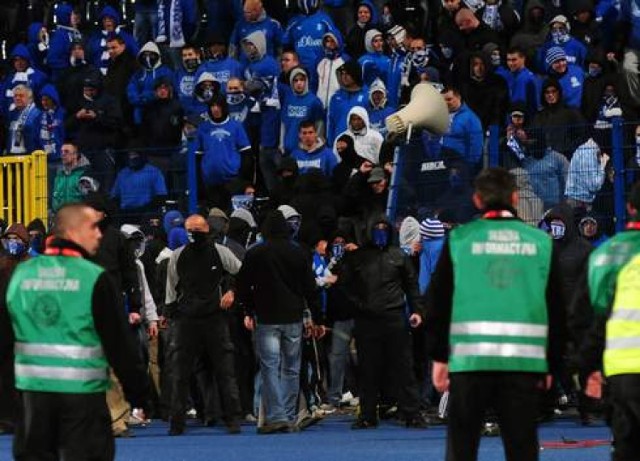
[[57, 348], [499, 318], [622, 352], [604, 264]]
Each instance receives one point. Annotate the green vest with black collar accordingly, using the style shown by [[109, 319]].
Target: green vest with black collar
[[499, 318], [57, 347]]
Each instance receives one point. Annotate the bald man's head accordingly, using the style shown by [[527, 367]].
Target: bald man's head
[[79, 224], [466, 21], [196, 223]]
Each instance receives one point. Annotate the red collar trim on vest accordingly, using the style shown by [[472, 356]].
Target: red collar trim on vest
[[498, 214], [52, 251], [635, 225]]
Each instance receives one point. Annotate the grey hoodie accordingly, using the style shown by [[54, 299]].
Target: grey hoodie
[[368, 39], [294, 73], [153, 48], [258, 39]]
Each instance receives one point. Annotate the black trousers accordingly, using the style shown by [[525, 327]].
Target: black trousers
[[624, 393], [385, 351], [515, 399], [73, 427], [208, 337]]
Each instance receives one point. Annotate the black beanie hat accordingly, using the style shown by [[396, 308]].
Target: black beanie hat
[[352, 68]]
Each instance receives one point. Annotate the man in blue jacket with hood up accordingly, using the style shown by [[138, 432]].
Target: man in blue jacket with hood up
[[22, 73], [110, 20], [61, 40], [222, 141], [140, 91]]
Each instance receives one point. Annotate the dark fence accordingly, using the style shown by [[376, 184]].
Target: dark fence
[[589, 167]]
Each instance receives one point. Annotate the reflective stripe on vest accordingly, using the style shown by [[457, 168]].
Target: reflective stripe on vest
[[64, 351], [632, 315], [499, 313], [499, 329], [498, 350], [622, 353], [623, 343], [62, 373]]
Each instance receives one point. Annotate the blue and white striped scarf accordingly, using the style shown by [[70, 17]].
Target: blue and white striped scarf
[[173, 25]]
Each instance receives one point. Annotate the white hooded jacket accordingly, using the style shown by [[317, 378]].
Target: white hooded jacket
[[368, 141], [328, 82]]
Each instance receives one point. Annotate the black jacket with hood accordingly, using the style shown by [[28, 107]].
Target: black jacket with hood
[[116, 256], [382, 280], [554, 121], [571, 248], [276, 281], [489, 97]]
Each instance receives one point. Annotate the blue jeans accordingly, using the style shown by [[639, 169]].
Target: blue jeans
[[341, 335], [279, 350]]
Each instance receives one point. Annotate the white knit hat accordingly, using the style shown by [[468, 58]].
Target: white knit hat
[[288, 211]]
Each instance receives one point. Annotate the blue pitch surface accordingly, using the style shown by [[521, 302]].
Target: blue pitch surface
[[331, 440]]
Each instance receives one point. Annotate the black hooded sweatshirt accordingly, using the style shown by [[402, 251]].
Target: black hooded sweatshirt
[[572, 249], [554, 120], [381, 280], [276, 281], [489, 97]]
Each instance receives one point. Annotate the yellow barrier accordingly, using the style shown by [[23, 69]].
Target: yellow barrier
[[23, 187]]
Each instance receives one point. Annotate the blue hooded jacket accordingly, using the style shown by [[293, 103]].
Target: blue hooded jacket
[[265, 70], [52, 132], [172, 219], [61, 40], [140, 89], [377, 115], [33, 40], [98, 45], [35, 79], [374, 64], [305, 34], [298, 108]]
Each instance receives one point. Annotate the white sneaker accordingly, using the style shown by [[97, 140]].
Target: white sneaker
[[137, 418], [192, 413], [327, 408], [249, 418], [346, 397]]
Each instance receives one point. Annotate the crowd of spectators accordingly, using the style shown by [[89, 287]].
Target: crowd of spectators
[[287, 107], [135, 87]]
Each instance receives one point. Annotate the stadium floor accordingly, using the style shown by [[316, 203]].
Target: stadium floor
[[332, 439]]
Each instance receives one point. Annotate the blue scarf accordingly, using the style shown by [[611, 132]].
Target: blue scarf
[[174, 25]]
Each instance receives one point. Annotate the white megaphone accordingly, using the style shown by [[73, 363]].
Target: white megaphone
[[426, 109]]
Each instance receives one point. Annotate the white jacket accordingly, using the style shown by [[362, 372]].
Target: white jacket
[[327, 79], [366, 143]]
